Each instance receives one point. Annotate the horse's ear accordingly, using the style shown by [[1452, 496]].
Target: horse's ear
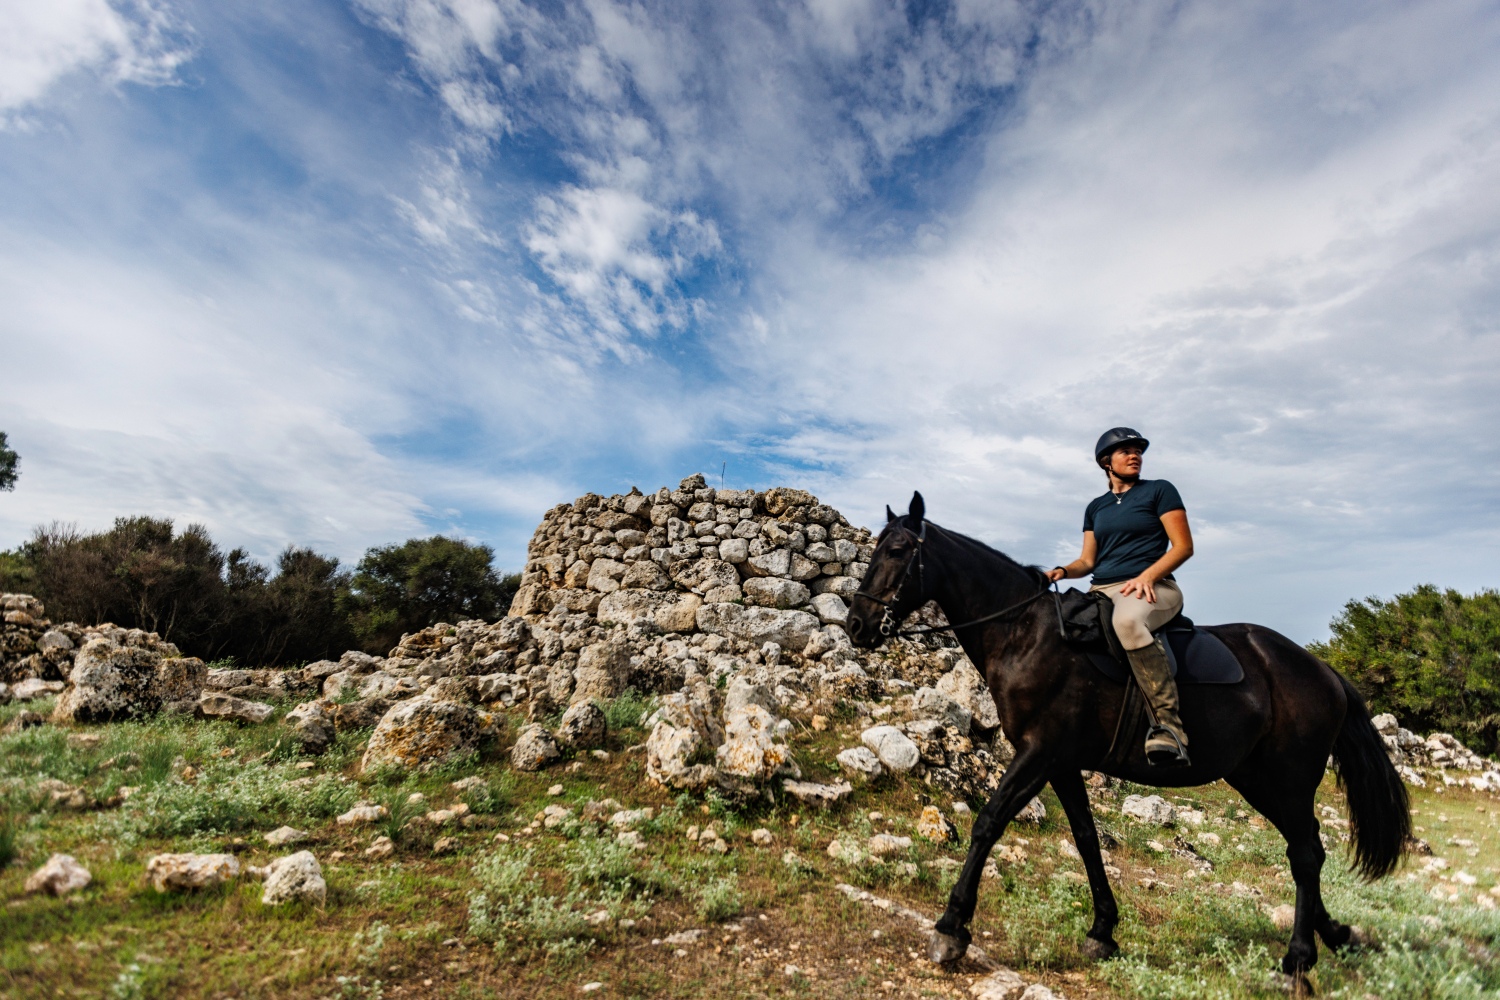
[[918, 511], [890, 515]]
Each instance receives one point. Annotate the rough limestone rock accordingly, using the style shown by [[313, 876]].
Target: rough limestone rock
[[1032, 812], [217, 705], [603, 669], [169, 872], [284, 835], [749, 751], [931, 704], [632, 606], [61, 875], [34, 687], [583, 726], [420, 733], [935, 826], [883, 845], [684, 726], [830, 609], [181, 678], [773, 592], [1149, 809], [111, 681], [861, 761], [312, 725], [535, 749], [964, 685], [1002, 984], [361, 813], [891, 745], [679, 615], [295, 878], [743, 691], [788, 629], [815, 793]]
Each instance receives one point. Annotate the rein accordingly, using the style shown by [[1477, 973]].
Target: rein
[[888, 621]]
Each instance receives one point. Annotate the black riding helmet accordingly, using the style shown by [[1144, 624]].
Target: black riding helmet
[[1114, 438]]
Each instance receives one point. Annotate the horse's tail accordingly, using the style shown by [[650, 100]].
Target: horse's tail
[[1379, 812]]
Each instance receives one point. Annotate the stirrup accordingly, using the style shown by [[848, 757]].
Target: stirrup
[[1166, 758]]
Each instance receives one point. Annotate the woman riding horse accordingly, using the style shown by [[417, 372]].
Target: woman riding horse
[[1134, 536]]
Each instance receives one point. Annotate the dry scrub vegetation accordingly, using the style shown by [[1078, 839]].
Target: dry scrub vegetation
[[550, 913]]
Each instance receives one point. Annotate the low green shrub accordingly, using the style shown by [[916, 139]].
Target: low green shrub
[[720, 899], [1431, 657]]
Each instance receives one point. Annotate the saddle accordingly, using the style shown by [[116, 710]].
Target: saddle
[[1195, 655]]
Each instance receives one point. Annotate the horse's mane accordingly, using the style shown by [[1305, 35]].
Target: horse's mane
[[984, 552]]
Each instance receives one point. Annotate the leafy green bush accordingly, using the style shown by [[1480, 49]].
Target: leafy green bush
[[1430, 657], [404, 588]]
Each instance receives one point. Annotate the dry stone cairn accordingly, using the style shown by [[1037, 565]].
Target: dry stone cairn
[[725, 606]]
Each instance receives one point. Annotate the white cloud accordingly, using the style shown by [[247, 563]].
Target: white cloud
[[43, 41]]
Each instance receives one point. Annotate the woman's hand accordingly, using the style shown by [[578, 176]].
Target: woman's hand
[[1057, 573], [1142, 586]]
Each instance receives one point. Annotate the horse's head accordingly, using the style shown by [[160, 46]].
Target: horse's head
[[895, 584]]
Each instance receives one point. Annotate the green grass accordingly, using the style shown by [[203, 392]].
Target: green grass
[[518, 913]]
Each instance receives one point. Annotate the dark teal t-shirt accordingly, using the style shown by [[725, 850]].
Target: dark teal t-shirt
[[1128, 528]]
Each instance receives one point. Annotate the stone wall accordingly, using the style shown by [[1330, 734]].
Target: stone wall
[[677, 550]]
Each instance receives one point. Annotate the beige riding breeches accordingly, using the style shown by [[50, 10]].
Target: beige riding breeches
[[1135, 618]]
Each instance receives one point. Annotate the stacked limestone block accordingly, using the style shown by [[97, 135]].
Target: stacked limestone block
[[779, 549], [31, 647]]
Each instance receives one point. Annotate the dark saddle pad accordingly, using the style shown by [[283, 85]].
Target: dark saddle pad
[[1195, 655]]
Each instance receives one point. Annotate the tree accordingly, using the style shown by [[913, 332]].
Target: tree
[[1429, 657], [423, 581], [141, 574], [9, 461]]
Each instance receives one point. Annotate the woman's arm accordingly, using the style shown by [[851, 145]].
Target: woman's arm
[[1080, 566], [1181, 550]]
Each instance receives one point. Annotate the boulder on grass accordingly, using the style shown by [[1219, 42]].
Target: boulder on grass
[[583, 726], [535, 749], [110, 681], [420, 733], [217, 705], [168, 872], [61, 875], [295, 877]]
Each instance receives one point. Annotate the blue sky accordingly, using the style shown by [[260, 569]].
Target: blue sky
[[339, 273]]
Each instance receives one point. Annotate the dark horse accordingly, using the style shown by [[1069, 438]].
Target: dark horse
[[1269, 736]]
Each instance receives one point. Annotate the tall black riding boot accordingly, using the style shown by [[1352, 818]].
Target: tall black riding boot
[[1166, 744]]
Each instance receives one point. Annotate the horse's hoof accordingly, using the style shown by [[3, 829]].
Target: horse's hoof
[[1098, 949], [945, 949]]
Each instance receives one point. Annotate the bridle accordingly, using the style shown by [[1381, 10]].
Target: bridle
[[888, 622]]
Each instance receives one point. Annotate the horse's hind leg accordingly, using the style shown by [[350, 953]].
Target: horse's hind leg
[[1075, 802], [1291, 811], [1022, 780]]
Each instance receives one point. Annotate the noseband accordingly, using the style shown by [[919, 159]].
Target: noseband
[[889, 625], [888, 622]]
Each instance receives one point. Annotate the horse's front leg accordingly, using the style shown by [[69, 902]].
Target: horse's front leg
[[1068, 785], [1025, 777]]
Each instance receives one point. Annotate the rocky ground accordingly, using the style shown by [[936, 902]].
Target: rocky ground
[[666, 773]]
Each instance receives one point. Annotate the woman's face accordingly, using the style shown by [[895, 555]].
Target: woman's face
[[1125, 461]]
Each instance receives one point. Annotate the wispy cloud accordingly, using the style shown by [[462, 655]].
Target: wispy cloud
[[134, 41], [410, 264]]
